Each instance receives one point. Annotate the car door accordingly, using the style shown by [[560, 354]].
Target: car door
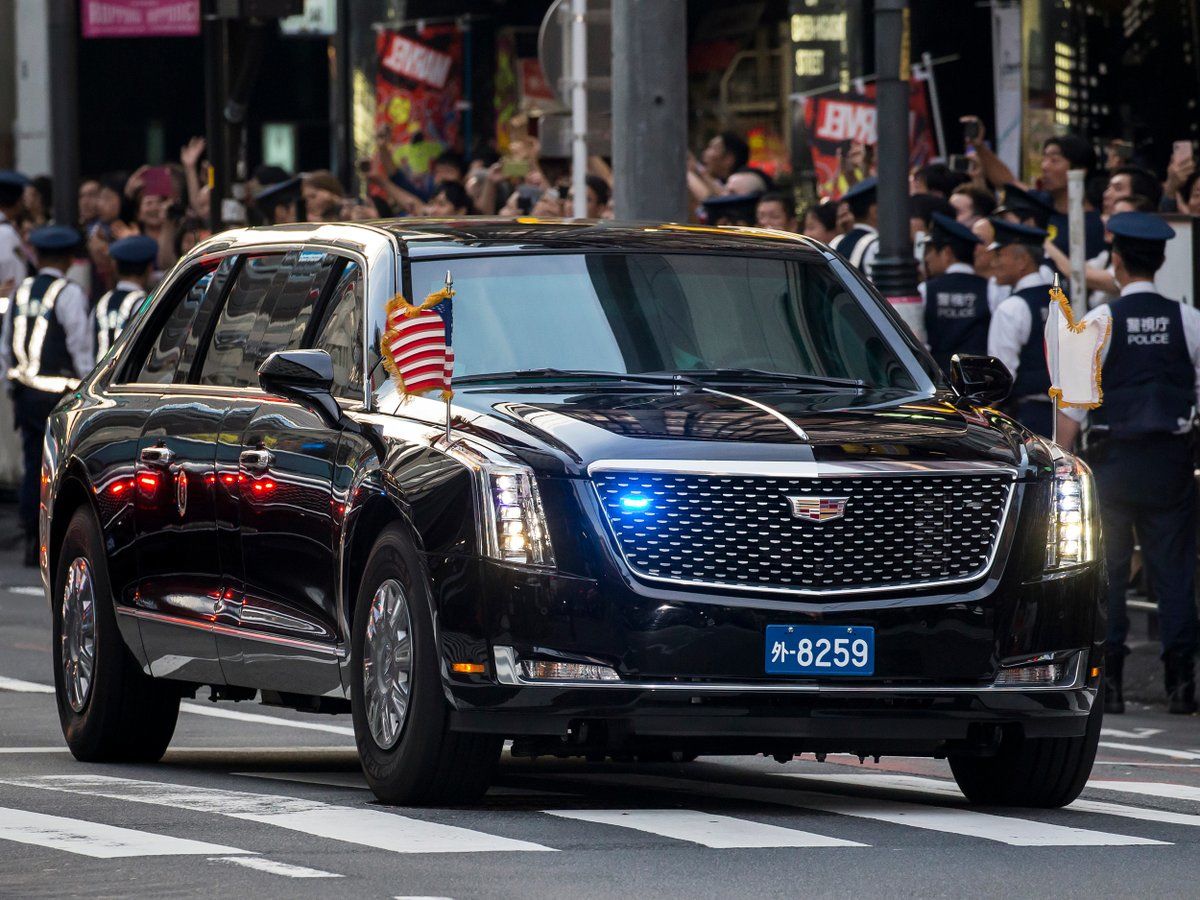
[[288, 638], [179, 576]]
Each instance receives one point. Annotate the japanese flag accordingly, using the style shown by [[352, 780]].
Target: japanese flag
[[1073, 353]]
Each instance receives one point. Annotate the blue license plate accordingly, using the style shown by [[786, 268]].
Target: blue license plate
[[820, 650]]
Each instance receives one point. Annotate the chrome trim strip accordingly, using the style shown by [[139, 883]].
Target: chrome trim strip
[[801, 469], [769, 410], [337, 650], [508, 674]]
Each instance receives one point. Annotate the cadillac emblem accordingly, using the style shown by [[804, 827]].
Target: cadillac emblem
[[818, 509]]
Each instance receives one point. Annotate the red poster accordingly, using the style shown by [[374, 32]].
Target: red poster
[[418, 91], [139, 18], [839, 122]]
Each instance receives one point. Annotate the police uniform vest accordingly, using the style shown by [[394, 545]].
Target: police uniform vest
[[854, 244], [39, 352], [956, 315], [1033, 378], [1148, 378], [112, 312]]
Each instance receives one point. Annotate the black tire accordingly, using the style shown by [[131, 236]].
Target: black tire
[[429, 764], [126, 716], [1036, 772]]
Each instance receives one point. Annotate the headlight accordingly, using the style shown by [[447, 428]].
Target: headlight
[[516, 530], [1072, 536]]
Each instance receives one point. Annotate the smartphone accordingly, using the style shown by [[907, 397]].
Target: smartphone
[[971, 130], [960, 163], [514, 168], [157, 181], [1181, 151]]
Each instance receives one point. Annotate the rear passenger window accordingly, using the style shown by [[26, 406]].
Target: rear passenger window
[[191, 302], [269, 308], [340, 333]]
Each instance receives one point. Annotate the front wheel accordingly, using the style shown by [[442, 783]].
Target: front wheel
[[1037, 772], [109, 709], [401, 720]]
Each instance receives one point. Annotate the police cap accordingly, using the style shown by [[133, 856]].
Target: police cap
[[1025, 204], [280, 192], [12, 179], [731, 206], [138, 250], [55, 238], [865, 188], [1014, 233], [945, 228], [1140, 226]]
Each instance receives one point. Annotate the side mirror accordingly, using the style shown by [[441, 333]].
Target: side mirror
[[305, 376], [981, 379]]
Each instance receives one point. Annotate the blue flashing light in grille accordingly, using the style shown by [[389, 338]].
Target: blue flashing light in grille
[[634, 503]]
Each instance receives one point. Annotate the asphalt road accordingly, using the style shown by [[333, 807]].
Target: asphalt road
[[259, 802]]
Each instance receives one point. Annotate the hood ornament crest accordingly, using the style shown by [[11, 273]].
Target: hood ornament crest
[[818, 509]]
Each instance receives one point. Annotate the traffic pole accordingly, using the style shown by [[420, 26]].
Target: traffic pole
[[649, 106], [895, 270]]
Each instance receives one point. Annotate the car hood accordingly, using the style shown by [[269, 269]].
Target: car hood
[[563, 432]]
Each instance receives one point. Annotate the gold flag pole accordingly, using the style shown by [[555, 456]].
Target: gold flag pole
[[1053, 400]]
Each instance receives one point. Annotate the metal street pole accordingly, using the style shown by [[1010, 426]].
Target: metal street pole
[[64, 109], [579, 107], [895, 272], [216, 49], [649, 104]]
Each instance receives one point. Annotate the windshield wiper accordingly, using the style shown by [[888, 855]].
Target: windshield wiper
[[667, 378], [767, 375]]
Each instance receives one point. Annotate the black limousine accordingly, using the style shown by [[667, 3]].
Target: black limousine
[[700, 493]]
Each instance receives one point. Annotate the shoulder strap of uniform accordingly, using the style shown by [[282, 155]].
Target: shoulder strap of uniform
[[129, 303], [52, 292], [860, 249], [102, 303]]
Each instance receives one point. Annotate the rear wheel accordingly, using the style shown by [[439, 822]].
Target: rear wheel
[[401, 720], [1041, 772], [109, 709]]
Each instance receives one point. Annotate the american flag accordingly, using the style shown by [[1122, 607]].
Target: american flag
[[417, 347]]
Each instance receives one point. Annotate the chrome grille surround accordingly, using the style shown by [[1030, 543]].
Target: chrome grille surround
[[728, 524]]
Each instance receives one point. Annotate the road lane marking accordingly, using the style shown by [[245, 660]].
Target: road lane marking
[[948, 820], [198, 709], [1153, 751], [918, 784], [24, 687], [219, 712], [274, 867], [26, 590], [1150, 789], [355, 825], [708, 829], [96, 839], [351, 780], [1137, 734]]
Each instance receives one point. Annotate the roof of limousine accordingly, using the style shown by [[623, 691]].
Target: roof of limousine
[[479, 234]]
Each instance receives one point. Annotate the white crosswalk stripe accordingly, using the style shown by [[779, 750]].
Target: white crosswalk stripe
[[362, 827], [964, 822], [915, 783], [274, 867], [1150, 789], [709, 829], [96, 839]]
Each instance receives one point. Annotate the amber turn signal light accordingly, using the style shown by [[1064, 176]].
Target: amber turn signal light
[[464, 668]]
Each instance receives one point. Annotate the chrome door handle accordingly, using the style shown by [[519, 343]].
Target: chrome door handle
[[156, 456], [255, 460]]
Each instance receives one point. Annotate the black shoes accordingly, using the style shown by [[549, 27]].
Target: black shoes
[[1114, 670], [1180, 678]]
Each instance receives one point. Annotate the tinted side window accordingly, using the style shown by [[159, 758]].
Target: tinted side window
[[294, 295], [340, 333], [190, 304], [229, 361]]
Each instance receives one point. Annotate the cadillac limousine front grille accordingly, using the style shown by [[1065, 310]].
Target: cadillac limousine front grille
[[806, 534]]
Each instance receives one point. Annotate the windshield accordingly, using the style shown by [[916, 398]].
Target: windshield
[[659, 312]]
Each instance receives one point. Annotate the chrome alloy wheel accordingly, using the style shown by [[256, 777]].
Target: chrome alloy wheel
[[387, 663], [78, 638]]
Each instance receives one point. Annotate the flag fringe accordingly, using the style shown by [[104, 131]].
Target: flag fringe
[[399, 304], [1057, 296]]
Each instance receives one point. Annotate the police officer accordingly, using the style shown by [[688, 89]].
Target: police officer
[[46, 347], [13, 267], [860, 245], [279, 203], [1015, 334], [956, 299], [134, 257], [1140, 452]]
